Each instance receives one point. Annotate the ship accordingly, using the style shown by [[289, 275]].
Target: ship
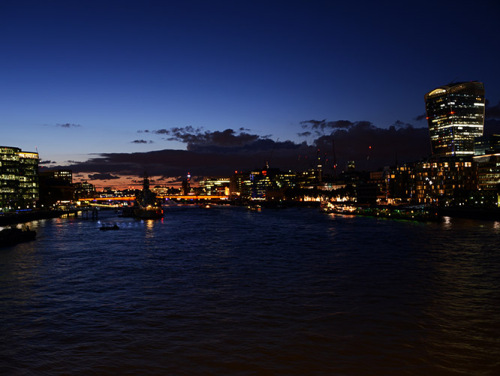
[[146, 204]]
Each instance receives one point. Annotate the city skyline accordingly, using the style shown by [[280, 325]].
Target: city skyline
[[167, 89]]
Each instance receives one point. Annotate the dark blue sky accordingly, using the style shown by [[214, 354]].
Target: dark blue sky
[[81, 77]]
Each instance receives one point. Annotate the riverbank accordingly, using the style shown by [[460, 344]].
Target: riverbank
[[491, 214], [418, 212], [414, 213], [28, 216]]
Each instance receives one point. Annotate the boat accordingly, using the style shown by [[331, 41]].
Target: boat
[[414, 213], [256, 208], [13, 236], [146, 205], [107, 228]]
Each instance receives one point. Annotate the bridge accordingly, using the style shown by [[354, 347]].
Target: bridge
[[166, 197]]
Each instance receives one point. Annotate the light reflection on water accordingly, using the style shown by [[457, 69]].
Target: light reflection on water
[[228, 291]]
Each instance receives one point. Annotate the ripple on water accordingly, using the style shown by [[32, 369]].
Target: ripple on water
[[229, 291]]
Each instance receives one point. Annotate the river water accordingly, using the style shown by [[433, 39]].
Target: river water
[[225, 291]]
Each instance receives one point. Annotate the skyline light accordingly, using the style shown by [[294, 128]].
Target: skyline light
[[109, 83]]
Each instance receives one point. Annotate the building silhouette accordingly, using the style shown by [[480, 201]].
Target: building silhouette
[[455, 115]]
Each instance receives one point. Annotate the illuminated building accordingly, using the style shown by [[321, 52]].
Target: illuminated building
[[455, 115], [261, 183], [488, 165], [84, 189], [215, 186], [488, 171], [64, 175], [19, 187], [267, 183], [400, 184], [445, 181]]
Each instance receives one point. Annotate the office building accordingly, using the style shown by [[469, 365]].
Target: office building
[[455, 115], [19, 187]]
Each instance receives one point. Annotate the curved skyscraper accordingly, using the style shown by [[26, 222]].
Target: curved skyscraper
[[455, 114]]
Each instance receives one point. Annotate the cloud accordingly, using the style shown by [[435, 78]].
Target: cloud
[[68, 125], [42, 162], [103, 176], [491, 126], [400, 124], [304, 134], [198, 139], [325, 125], [421, 117], [372, 147], [220, 153], [492, 112], [141, 142]]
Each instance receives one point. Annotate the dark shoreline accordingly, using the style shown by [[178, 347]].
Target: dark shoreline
[[491, 214], [16, 218]]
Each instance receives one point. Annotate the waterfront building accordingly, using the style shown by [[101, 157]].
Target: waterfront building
[[56, 185], [455, 116], [240, 184], [445, 181], [261, 183], [400, 184], [215, 186], [19, 188], [488, 169], [487, 145], [64, 175], [84, 189]]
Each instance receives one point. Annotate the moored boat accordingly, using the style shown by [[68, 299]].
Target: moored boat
[[13, 236], [146, 205]]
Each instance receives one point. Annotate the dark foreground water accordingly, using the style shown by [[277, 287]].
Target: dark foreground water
[[224, 291]]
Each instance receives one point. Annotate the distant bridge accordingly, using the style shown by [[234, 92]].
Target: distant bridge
[[169, 197]]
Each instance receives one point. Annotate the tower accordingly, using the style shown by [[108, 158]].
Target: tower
[[455, 115]]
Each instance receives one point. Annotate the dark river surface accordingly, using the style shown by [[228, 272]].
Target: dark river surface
[[225, 291]]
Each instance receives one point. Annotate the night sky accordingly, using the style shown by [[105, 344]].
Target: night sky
[[114, 88]]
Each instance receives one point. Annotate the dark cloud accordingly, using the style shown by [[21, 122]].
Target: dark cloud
[[220, 153], [492, 112], [400, 124], [42, 162], [141, 142], [68, 125], [325, 125], [197, 139], [372, 147], [304, 134], [491, 126], [421, 117], [103, 176]]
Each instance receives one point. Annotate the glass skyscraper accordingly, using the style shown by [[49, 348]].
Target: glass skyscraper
[[455, 114]]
